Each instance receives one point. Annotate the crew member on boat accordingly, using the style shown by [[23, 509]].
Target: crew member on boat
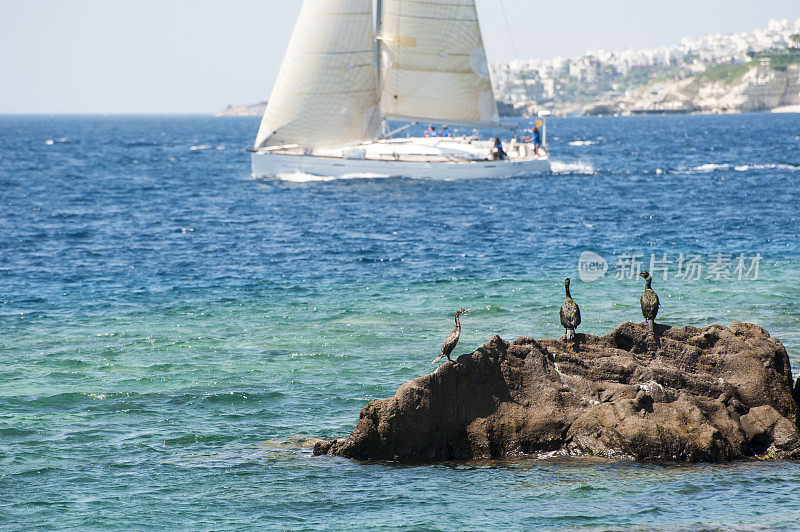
[[446, 132], [536, 138], [498, 153], [431, 132]]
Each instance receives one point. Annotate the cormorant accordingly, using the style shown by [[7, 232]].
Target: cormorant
[[649, 302], [570, 314], [452, 338]]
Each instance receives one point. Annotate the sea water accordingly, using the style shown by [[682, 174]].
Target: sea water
[[174, 334]]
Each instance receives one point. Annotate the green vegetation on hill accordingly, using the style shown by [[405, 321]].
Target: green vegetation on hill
[[725, 73], [778, 60], [729, 74]]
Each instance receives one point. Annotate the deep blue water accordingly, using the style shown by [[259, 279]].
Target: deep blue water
[[175, 333]]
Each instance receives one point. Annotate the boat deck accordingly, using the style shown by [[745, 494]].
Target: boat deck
[[416, 150]]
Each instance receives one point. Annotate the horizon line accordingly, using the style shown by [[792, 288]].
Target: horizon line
[[133, 113]]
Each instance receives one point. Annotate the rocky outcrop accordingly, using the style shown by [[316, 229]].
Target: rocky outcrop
[[691, 394], [761, 88]]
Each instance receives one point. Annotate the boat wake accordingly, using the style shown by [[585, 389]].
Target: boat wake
[[302, 177], [579, 168]]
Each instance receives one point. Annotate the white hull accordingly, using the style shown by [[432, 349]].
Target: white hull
[[332, 164]]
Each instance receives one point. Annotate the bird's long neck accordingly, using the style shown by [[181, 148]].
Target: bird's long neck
[[458, 324], [566, 288], [647, 283]]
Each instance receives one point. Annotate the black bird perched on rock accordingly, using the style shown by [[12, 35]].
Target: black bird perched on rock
[[452, 339], [570, 314], [649, 302]]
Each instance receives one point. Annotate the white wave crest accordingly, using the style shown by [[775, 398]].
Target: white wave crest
[[708, 168], [776, 166], [562, 168], [582, 142], [201, 147]]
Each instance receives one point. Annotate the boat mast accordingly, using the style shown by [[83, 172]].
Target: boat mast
[[378, 28], [378, 24]]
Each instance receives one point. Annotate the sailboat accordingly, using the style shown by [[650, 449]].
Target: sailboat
[[353, 65]]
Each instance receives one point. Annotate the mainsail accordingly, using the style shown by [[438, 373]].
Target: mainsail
[[434, 63], [326, 90]]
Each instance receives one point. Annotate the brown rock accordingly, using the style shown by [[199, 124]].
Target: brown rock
[[694, 394]]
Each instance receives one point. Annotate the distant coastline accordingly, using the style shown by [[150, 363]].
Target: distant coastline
[[757, 71], [724, 89], [735, 73], [759, 91], [768, 83], [252, 109]]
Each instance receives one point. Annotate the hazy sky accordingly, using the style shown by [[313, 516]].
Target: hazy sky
[[196, 56]]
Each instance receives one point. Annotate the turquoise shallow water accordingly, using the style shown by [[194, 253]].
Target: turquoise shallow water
[[176, 334]]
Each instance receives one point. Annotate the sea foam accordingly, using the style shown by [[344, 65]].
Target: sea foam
[[579, 168], [582, 142]]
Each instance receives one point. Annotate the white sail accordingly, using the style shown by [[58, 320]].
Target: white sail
[[326, 90], [434, 63]]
